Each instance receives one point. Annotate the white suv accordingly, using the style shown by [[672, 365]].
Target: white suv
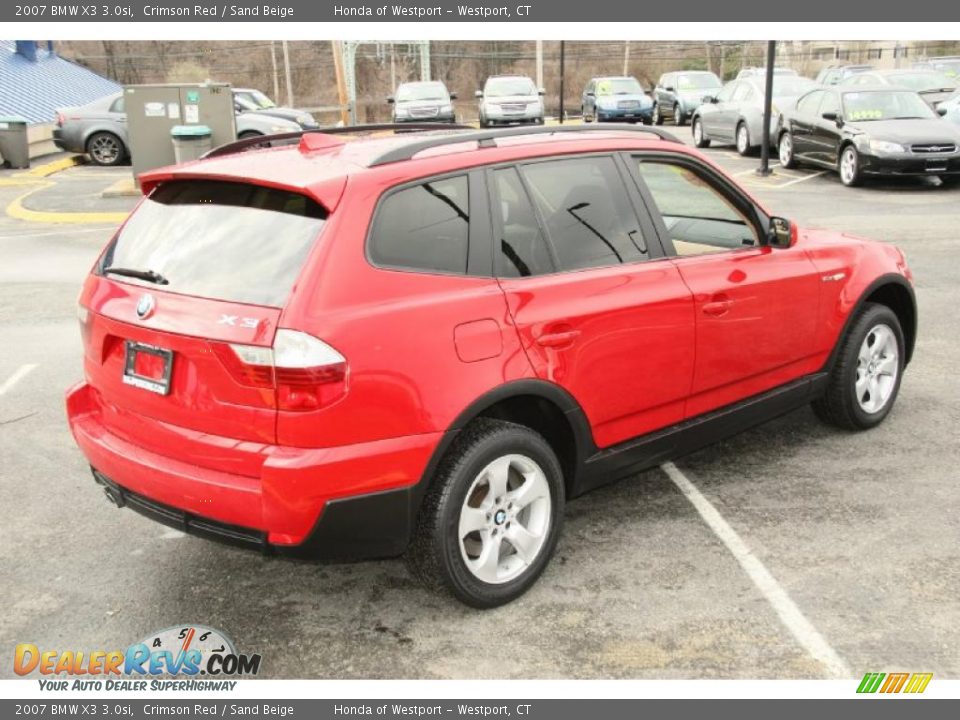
[[508, 99]]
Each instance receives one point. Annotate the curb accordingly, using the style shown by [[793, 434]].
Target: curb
[[42, 171]]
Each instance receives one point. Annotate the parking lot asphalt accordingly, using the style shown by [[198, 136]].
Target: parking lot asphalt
[[859, 533]]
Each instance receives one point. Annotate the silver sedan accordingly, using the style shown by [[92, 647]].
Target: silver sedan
[[735, 114], [99, 129]]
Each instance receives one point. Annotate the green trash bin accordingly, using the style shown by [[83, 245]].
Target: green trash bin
[[14, 147], [190, 141]]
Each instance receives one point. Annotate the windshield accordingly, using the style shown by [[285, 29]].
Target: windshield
[[884, 105], [422, 91], [619, 86], [790, 85], [504, 87], [700, 81], [253, 100], [951, 68], [922, 81], [222, 240]]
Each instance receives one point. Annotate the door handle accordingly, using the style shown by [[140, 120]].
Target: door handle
[[717, 308], [558, 339]]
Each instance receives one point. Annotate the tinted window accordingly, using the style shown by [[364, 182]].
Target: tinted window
[[831, 103], [727, 91], [228, 241], [117, 105], [589, 219], [699, 218], [523, 250], [809, 103], [424, 227], [743, 92]]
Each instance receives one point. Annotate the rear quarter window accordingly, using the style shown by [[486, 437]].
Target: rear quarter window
[[222, 240], [424, 227]]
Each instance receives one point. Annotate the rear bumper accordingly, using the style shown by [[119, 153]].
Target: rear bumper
[[341, 503]]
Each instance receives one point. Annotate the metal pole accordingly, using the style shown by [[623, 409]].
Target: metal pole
[[286, 73], [393, 70], [764, 168], [336, 47], [276, 75], [626, 57], [562, 69], [539, 63]]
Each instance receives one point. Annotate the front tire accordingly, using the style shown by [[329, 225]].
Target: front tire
[[491, 519], [850, 174], [106, 149], [865, 380], [699, 138], [785, 151], [657, 117], [743, 140], [678, 118]]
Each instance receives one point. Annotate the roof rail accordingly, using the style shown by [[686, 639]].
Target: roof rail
[[488, 138], [287, 138]]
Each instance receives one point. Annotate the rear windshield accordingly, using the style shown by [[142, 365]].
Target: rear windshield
[[222, 240]]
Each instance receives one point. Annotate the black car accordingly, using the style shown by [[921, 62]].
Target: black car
[[869, 130]]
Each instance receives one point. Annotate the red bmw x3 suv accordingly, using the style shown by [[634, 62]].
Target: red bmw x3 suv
[[428, 342]]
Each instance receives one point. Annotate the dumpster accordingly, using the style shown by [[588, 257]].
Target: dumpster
[[190, 141], [14, 147]]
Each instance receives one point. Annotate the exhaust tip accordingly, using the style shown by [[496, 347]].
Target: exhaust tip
[[114, 497]]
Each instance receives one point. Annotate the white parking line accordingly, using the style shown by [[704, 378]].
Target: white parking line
[[790, 615], [19, 374], [805, 177]]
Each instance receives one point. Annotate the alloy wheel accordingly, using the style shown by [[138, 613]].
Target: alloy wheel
[[505, 519], [878, 364], [786, 149], [848, 166], [105, 149], [743, 140]]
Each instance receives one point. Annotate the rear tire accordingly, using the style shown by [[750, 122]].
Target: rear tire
[[106, 149], [499, 484], [249, 134], [865, 379], [785, 151], [699, 139]]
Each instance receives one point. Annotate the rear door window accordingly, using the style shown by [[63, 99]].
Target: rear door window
[[586, 211], [424, 227], [222, 240], [523, 250]]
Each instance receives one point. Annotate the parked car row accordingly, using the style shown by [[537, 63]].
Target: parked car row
[[99, 128], [504, 100], [853, 119]]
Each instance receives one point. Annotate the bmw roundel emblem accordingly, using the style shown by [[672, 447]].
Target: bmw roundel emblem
[[145, 306]]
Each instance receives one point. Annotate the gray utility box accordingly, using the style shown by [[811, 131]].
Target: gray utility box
[[14, 146], [153, 111]]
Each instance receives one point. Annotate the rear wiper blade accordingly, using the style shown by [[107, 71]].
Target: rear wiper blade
[[149, 275]]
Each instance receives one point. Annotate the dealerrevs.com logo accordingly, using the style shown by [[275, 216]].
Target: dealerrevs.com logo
[[183, 657]]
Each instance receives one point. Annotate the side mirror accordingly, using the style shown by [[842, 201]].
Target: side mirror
[[453, 96], [942, 111], [391, 100], [833, 116], [781, 233], [708, 99], [541, 91], [478, 94], [590, 94], [670, 88]]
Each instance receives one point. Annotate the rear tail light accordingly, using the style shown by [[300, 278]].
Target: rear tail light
[[60, 119], [306, 373]]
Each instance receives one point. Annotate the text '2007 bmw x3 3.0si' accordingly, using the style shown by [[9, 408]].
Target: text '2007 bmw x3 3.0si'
[[426, 343]]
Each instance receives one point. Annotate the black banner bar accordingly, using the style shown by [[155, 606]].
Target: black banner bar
[[536, 11]]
